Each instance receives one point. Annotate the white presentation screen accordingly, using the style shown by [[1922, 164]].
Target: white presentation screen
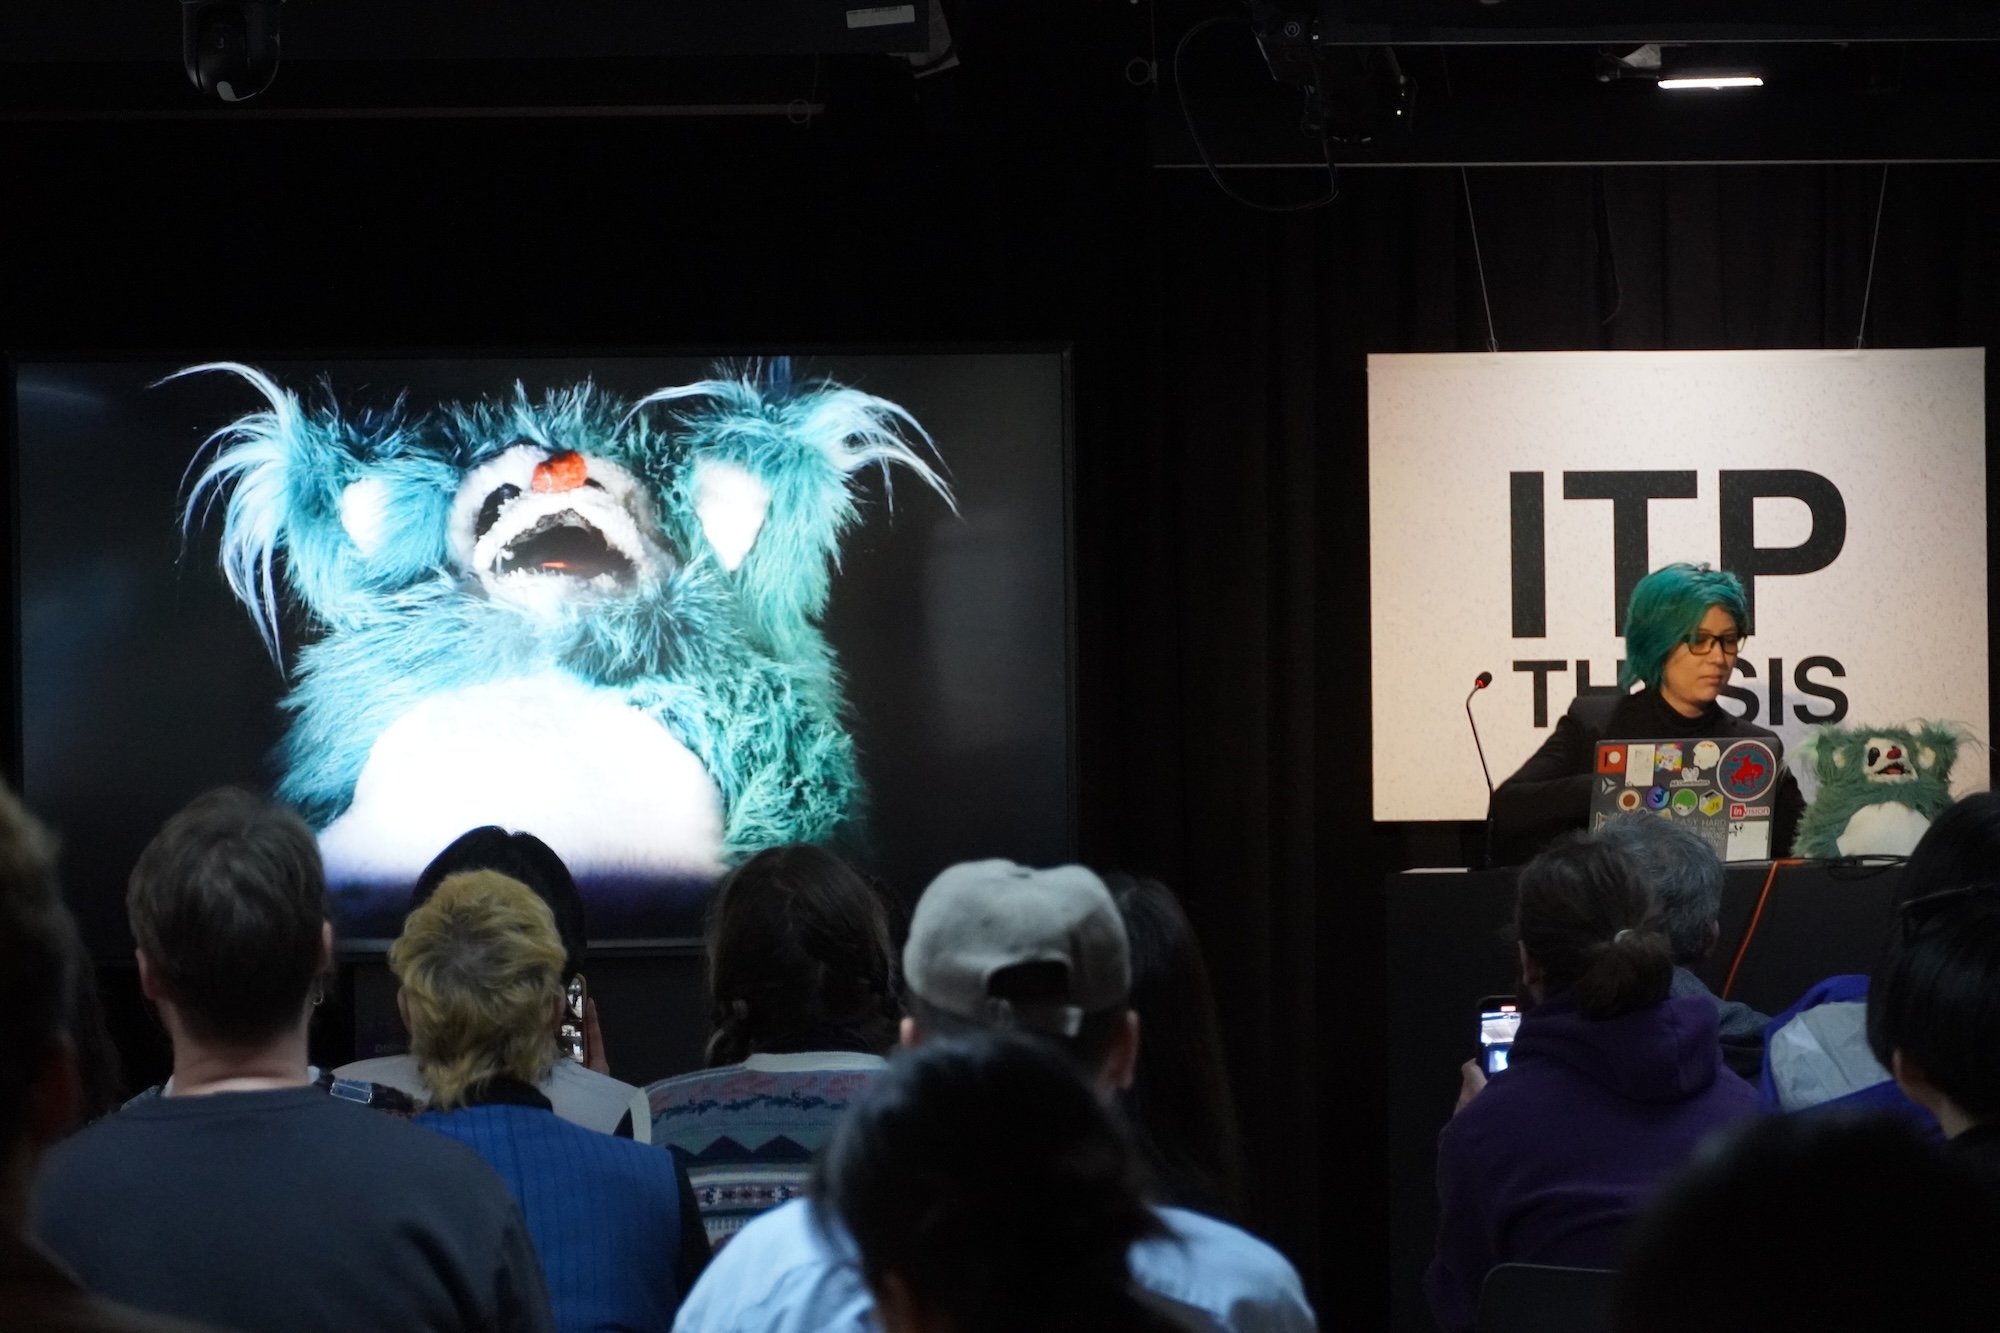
[[1514, 498]]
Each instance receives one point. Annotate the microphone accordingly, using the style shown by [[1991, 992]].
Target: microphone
[[1484, 679]]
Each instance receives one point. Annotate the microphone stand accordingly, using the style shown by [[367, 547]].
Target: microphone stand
[[1485, 678]]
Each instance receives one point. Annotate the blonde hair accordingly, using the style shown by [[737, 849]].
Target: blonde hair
[[481, 968]]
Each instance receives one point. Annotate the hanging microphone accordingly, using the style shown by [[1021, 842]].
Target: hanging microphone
[[1484, 679]]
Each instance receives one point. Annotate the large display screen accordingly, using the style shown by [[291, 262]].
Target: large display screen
[[661, 612]]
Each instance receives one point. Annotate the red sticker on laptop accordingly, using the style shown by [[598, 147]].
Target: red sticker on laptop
[[1748, 770]]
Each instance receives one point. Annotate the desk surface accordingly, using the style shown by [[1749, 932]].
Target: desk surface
[[1446, 951]]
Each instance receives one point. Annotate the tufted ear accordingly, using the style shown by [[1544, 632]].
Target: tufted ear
[[731, 502], [350, 506], [1821, 750], [773, 483], [1941, 743]]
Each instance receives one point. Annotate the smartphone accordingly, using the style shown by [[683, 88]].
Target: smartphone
[[1499, 1017], [569, 1034]]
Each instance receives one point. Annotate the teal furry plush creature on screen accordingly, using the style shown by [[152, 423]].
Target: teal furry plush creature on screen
[[1879, 788], [590, 619]]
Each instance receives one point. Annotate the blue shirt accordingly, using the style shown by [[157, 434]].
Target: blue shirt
[[603, 1212], [783, 1274]]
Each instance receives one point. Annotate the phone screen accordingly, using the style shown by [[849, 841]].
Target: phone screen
[[1499, 1017], [569, 1034]]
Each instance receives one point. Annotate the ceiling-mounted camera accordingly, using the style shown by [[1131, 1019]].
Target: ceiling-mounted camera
[[230, 47]]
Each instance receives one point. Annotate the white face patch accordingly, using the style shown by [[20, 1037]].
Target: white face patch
[[1885, 760], [731, 502], [542, 528]]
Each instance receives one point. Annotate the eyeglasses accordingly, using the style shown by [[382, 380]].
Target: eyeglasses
[[1701, 642], [1918, 914]]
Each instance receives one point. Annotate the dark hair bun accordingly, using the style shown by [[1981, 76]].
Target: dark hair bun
[[1632, 970], [1586, 916]]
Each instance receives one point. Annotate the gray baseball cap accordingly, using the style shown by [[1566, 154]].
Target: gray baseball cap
[[980, 917]]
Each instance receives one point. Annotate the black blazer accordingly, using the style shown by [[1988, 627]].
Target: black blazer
[[1550, 795]]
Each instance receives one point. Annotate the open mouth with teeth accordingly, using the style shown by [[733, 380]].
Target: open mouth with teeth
[[566, 544], [1892, 771]]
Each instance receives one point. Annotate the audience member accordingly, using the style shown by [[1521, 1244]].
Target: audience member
[[101, 1072], [1182, 1117], [1817, 1051], [41, 1085], [481, 970], [802, 995], [584, 1093], [996, 945], [1844, 1222], [1934, 1016], [1611, 1084], [988, 1191], [245, 1195], [1685, 876]]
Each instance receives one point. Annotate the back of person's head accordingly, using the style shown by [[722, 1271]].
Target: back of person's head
[[1182, 1115], [799, 959], [1937, 1001], [1844, 1223], [526, 859], [1587, 919], [998, 945], [228, 905], [1683, 872], [984, 1177], [481, 968], [38, 963], [1961, 847]]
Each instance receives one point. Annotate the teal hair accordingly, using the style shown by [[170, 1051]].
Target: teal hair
[[1667, 606]]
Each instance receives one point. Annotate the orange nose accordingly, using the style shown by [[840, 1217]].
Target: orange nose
[[564, 472]]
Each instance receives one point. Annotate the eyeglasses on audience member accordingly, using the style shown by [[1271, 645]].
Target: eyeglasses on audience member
[[1919, 914]]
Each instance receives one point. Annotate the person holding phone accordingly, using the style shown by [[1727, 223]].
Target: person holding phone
[[1684, 629], [579, 1085], [613, 1221], [1609, 1086]]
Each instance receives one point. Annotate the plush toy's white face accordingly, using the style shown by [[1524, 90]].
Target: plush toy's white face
[[540, 529], [1886, 760]]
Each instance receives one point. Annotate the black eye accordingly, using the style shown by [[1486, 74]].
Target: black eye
[[1874, 756], [489, 513]]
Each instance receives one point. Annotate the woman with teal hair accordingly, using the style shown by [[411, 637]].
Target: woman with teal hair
[[1684, 627]]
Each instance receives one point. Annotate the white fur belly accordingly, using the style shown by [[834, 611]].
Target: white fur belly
[[1889, 828], [606, 786]]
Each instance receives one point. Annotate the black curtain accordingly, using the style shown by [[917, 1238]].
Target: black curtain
[[1220, 476]]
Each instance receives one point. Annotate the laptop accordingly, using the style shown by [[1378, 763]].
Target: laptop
[[1721, 788]]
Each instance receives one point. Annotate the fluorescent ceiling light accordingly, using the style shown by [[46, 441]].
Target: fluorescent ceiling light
[[1714, 81]]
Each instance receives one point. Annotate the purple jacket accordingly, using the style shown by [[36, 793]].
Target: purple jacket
[[1569, 1142]]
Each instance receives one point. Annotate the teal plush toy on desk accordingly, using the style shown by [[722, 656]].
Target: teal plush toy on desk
[[1879, 788]]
